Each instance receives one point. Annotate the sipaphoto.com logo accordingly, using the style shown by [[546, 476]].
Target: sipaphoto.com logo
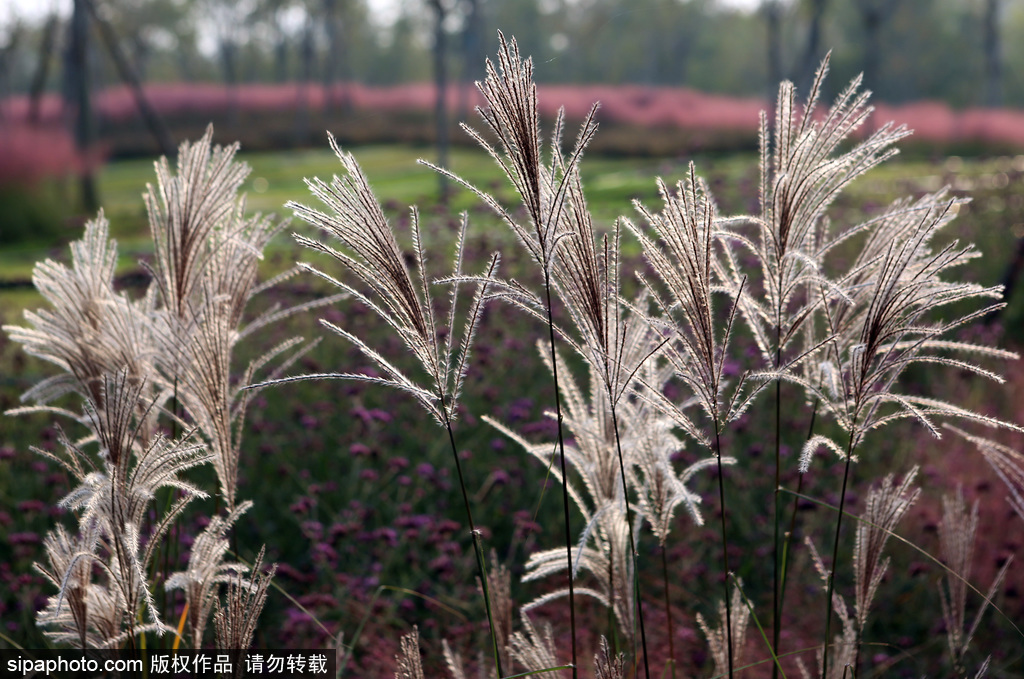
[[71, 664]]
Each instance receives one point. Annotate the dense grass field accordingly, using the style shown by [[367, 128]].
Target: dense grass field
[[353, 488]]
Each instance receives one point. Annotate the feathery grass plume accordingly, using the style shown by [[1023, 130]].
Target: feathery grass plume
[[551, 197], [883, 327], [90, 332], [603, 549], [372, 254], [453, 661], [956, 546], [113, 501], [205, 270], [184, 210], [206, 571], [660, 488], [502, 606], [842, 649], [724, 655], [608, 665], [879, 330], [615, 344], [511, 115], [1007, 463], [884, 508], [410, 665], [682, 254], [235, 623], [69, 569], [535, 649], [802, 170]]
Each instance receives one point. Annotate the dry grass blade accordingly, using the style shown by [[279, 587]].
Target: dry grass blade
[[957, 531]]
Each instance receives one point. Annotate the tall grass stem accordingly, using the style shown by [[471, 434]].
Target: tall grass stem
[[565, 478]]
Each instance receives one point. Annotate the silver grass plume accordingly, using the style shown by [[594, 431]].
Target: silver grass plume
[[1007, 463], [717, 637], [681, 251], [885, 506], [842, 650], [603, 546], [502, 606], [235, 622], [90, 331], [112, 500], [957, 531], [69, 569], [512, 116], [882, 327], [410, 665], [608, 665], [205, 268], [184, 210], [535, 649], [207, 571], [803, 169], [371, 253], [453, 661]]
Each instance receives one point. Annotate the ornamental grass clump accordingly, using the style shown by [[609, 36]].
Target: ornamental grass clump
[[650, 390], [839, 312], [151, 383]]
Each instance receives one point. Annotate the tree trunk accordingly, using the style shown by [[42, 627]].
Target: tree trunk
[[871, 18], [302, 114], [993, 55], [280, 53], [812, 52], [441, 85], [336, 61], [773, 20], [7, 59], [149, 115], [43, 69], [472, 54], [77, 99], [228, 58]]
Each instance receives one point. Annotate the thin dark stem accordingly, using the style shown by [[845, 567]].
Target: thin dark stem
[[668, 611], [725, 546], [777, 575], [856, 660], [476, 540], [835, 556], [632, 541], [787, 537], [565, 478]]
